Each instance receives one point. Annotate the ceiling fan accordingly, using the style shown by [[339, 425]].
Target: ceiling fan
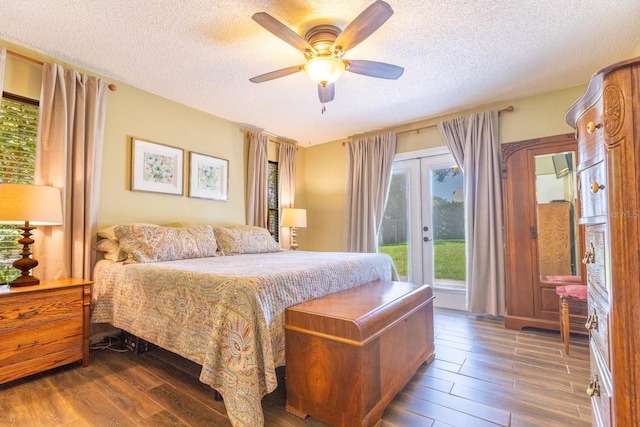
[[324, 46]]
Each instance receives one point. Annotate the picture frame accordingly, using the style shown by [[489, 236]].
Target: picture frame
[[156, 168], [208, 177]]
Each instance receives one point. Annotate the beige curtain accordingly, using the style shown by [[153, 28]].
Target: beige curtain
[[369, 163], [3, 60], [474, 144], [69, 156], [258, 180], [286, 184]]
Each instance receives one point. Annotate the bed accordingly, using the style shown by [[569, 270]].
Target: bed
[[222, 308]]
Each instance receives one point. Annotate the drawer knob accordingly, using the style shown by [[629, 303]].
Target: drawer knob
[[594, 387], [595, 187], [28, 314], [592, 321], [590, 255], [591, 127]]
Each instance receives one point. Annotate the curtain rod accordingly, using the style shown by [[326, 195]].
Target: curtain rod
[[111, 86], [273, 135], [417, 130]]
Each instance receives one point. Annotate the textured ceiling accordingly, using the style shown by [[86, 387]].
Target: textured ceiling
[[457, 54]]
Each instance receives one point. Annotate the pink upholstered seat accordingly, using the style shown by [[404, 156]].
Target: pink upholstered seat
[[575, 291]]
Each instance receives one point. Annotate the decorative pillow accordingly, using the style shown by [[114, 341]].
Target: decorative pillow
[[111, 250], [153, 243], [245, 239], [109, 233]]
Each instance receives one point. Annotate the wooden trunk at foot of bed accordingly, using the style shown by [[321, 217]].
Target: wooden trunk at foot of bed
[[348, 354]]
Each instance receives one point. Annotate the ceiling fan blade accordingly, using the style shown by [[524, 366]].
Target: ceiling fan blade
[[276, 74], [282, 31], [326, 93], [380, 70], [363, 26]]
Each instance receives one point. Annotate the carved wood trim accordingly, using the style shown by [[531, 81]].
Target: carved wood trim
[[613, 101]]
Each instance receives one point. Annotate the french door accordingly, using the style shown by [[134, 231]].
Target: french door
[[423, 226]]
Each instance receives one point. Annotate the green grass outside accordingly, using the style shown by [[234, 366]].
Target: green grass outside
[[449, 258]]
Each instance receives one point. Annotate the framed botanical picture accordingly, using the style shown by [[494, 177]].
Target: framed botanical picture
[[208, 177], [156, 167]]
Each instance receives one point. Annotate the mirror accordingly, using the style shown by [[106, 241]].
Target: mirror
[[557, 227]]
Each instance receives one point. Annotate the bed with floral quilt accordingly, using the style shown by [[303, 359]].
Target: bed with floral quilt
[[217, 296]]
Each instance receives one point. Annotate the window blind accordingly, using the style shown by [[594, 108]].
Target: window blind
[[273, 222], [18, 134]]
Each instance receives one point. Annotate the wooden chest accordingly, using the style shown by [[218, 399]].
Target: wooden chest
[[348, 354]]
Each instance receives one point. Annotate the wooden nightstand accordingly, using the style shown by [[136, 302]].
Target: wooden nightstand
[[43, 326]]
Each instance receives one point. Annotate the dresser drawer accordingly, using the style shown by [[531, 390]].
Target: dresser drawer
[[43, 326], [589, 134], [601, 400], [592, 184], [595, 258], [598, 316], [31, 308], [35, 342]]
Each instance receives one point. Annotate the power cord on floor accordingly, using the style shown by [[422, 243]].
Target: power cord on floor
[[112, 342]]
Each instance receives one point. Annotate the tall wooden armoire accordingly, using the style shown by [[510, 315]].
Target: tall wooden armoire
[[607, 123], [541, 236]]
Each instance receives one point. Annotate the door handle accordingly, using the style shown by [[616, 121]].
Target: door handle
[[426, 239], [533, 231]]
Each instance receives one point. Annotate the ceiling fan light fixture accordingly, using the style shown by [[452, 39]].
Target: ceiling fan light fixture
[[324, 70]]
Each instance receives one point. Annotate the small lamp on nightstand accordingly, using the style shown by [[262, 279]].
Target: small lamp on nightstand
[[294, 218], [28, 205]]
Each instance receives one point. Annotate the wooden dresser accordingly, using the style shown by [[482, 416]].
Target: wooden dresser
[[607, 123], [43, 326]]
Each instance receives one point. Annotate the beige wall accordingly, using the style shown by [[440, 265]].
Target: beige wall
[[134, 112], [320, 169], [536, 116], [636, 51]]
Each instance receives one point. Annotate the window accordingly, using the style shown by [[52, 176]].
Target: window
[[273, 221], [18, 133]]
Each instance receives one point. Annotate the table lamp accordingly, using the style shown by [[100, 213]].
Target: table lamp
[[294, 218], [28, 205]]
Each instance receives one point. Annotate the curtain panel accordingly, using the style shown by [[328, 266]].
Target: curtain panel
[[258, 180], [3, 60], [286, 185], [69, 157], [474, 144], [369, 164]]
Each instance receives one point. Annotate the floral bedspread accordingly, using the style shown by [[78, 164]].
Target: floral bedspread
[[226, 313]]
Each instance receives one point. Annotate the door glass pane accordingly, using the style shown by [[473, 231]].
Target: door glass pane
[[447, 218], [393, 238]]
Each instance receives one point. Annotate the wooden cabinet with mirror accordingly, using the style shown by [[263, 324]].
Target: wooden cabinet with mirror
[[542, 243]]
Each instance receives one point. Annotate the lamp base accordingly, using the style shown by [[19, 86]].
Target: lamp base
[[24, 281], [294, 245], [26, 263]]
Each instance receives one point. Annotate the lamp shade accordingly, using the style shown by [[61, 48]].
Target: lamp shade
[[294, 217], [38, 204]]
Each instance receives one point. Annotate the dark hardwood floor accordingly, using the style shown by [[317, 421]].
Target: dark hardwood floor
[[483, 375]]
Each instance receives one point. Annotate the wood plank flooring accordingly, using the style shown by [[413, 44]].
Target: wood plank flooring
[[483, 375]]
